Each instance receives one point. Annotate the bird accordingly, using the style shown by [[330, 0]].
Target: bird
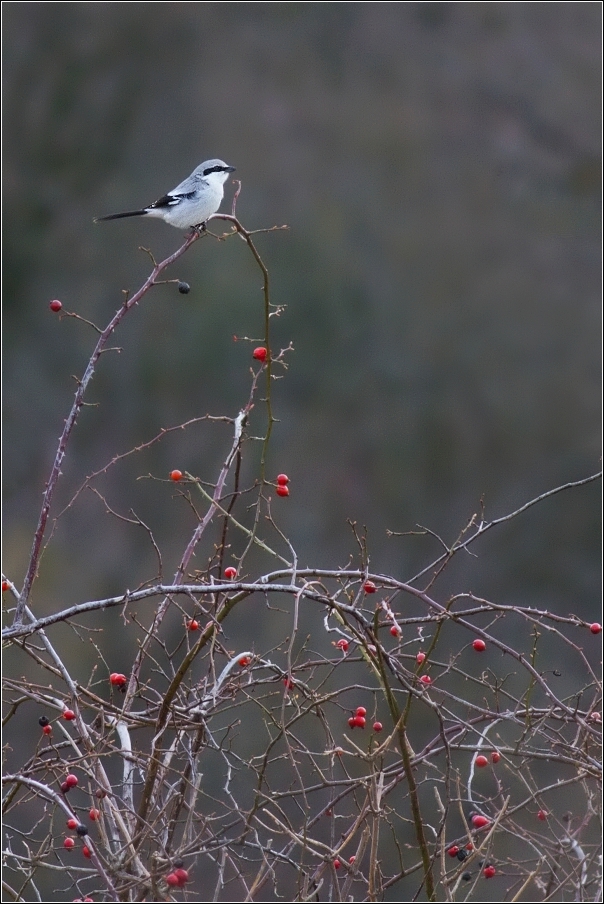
[[192, 202]]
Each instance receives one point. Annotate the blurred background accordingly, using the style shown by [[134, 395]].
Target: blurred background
[[438, 166]]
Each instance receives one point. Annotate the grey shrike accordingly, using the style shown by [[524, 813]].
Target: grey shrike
[[192, 202]]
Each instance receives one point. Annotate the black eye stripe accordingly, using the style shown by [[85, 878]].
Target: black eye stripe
[[214, 169]]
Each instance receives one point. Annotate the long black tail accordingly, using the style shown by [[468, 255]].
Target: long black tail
[[118, 216]]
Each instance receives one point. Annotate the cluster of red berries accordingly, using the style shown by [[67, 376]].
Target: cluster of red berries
[[337, 863], [70, 782], [460, 853], [118, 680], [45, 725], [178, 878], [282, 488], [481, 761], [358, 720]]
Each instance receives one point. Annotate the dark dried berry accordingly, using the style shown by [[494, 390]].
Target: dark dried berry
[[43, 721], [82, 830], [461, 856], [466, 877], [184, 288]]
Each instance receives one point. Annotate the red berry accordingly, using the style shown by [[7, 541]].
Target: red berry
[[5, 586], [377, 726], [55, 305], [118, 679], [489, 871], [595, 628], [94, 814], [353, 721], [352, 859], [361, 711], [336, 864], [72, 823], [342, 645], [479, 645], [360, 721], [452, 852], [71, 780], [395, 631], [175, 475], [182, 876], [69, 715], [469, 846], [193, 625], [230, 573], [289, 683], [495, 756], [425, 679], [421, 657], [86, 851], [282, 479], [282, 490], [47, 729], [542, 815], [479, 822], [100, 793], [369, 587], [172, 879], [481, 760], [244, 661], [259, 353], [65, 788], [68, 844]]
